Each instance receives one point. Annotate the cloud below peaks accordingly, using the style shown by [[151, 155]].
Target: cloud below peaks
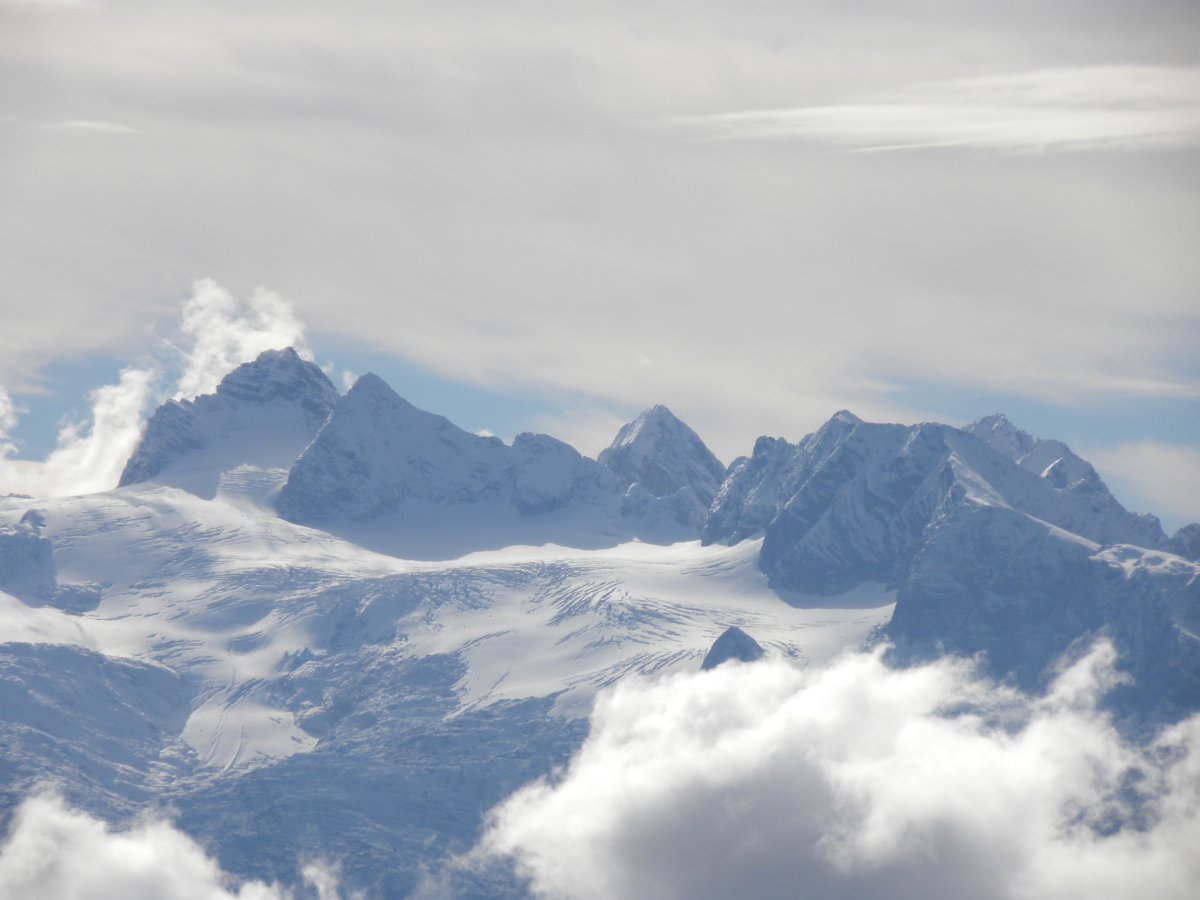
[[859, 781], [53, 851]]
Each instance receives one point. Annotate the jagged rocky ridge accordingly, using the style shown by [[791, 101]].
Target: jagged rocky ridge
[[377, 451], [262, 415], [379, 457], [994, 540]]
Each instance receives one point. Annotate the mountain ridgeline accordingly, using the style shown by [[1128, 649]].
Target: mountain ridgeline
[[993, 540]]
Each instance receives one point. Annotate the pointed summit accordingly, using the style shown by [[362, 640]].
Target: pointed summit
[[663, 455], [277, 375], [262, 414], [1186, 542], [378, 450], [733, 644], [371, 402], [1003, 436], [371, 385]]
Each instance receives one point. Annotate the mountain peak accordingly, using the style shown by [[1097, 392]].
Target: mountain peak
[[841, 424], [662, 454], [999, 433], [656, 418], [1186, 542], [279, 375], [733, 644], [370, 385], [263, 413], [1050, 459], [996, 420]]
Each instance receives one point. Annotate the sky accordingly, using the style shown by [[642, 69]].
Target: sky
[[546, 216]]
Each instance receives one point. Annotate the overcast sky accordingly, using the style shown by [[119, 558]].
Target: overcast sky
[[555, 214]]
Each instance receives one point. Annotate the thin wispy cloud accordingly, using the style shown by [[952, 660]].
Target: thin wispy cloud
[[90, 126], [1088, 108], [36, 5]]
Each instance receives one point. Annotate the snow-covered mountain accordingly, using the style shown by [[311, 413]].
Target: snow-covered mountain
[[664, 467], [1186, 542], [853, 499], [1054, 462], [994, 540], [343, 627], [397, 478], [262, 415], [378, 451]]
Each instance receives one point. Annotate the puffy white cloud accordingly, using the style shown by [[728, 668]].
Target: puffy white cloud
[[860, 781], [217, 332], [89, 456], [9, 416], [222, 331], [54, 852]]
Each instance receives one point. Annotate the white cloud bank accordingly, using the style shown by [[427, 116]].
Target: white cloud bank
[[53, 852], [858, 781], [1094, 107], [218, 332]]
